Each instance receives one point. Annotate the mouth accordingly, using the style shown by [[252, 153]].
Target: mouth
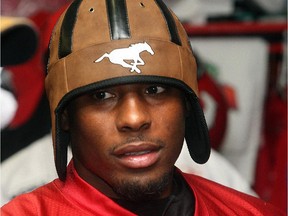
[[138, 155]]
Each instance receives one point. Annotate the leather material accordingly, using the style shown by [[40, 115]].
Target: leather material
[[88, 61], [65, 44], [170, 22], [117, 13]]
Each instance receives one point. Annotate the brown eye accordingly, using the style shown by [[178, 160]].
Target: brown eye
[[155, 89], [102, 95]]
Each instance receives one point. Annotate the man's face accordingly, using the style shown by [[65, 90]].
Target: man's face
[[126, 139]]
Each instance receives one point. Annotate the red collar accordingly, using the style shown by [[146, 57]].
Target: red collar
[[86, 197]]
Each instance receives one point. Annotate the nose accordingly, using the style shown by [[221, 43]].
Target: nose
[[133, 115]]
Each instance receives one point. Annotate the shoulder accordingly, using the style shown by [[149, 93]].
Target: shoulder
[[33, 172], [217, 198], [31, 203]]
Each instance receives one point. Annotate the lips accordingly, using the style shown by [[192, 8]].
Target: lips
[[138, 155]]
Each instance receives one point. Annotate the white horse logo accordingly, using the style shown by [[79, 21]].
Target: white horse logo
[[132, 53]]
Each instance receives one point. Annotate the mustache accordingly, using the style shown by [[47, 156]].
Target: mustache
[[138, 138]]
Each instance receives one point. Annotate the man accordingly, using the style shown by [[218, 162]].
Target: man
[[122, 89]]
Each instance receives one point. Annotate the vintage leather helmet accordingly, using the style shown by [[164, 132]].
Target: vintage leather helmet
[[100, 43]]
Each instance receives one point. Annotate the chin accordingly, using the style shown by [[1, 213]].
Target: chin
[[143, 187]]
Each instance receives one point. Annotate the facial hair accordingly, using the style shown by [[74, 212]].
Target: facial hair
[[137, 191]]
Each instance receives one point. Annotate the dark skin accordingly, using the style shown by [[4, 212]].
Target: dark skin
[[126, 139]]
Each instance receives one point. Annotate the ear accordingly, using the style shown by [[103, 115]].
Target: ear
[[65, 126]]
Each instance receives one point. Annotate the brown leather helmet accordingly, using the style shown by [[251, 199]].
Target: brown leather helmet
[[100, 43]]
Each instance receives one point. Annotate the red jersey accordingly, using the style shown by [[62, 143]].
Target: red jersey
[[75, 197]]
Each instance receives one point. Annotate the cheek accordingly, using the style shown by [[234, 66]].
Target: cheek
[[174, 119], [88, 137], [90, 125], [172, 126]]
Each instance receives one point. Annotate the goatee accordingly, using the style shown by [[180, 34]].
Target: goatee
[[137, 191]]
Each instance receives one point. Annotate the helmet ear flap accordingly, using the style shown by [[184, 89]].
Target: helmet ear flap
[[65, 120], [62, 141], [196, 132]]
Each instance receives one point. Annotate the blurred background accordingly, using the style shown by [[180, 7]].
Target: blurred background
[[241, 51]]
